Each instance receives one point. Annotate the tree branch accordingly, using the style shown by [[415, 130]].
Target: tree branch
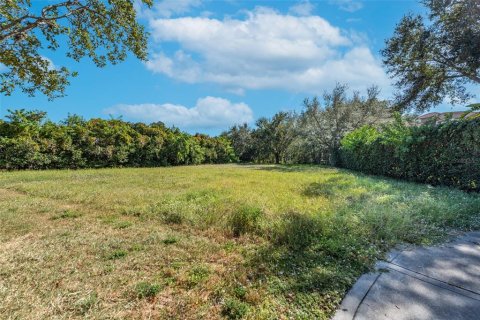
[[44, 18]]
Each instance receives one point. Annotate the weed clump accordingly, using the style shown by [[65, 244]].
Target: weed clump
[[123, 224], [117, 254], [83, 305], [298, 231], [67, 214], [146, 290], [234, 309], [244, 220], [170, 240], [197, 275], [171, 216]]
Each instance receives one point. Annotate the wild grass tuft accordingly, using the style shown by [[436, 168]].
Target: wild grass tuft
[[197, 275], [244, 219], [116, 254], [67, 214], [146, 290], [298, 231], [234, 309], [85, 304]]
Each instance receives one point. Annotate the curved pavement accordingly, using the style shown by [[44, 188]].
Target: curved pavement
[[439, 282]]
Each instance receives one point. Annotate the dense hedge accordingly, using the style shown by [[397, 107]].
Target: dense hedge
[[443, 154], [29, 141]]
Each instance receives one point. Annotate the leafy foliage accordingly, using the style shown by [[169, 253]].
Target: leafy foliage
[[443, 154], [29, 141], [435, 60], [312, 136], [273, 137], [104, 31], [326, 125]]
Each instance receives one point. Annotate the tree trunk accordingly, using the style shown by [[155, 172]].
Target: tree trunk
[[333, 157], [277, 158]]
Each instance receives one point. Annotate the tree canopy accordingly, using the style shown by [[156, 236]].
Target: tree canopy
[[436, 59], [314, 135], [326, 125], [104, 31]]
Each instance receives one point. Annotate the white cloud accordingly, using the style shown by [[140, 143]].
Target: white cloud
[[348, 5], [51, 65], [208, 113], [265, 50], [303, 8]]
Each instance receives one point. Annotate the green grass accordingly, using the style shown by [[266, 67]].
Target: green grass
[[206, 242]]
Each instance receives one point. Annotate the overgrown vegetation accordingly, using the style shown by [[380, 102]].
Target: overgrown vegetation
[[251, 241], [446, 153], [29, 141], [314, 135]]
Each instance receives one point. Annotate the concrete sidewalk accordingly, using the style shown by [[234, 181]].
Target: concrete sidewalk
[[440, 282]]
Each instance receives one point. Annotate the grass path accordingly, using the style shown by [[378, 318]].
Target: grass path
[[205, 242]]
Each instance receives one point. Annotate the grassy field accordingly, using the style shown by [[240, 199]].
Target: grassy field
[[205, 242]]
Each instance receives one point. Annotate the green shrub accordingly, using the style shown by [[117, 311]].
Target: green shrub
[[29, 141], [234, 309], [443, 154], [244, 220]]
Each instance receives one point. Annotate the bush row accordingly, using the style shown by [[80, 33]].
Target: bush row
[[438, 154], [29, 141]]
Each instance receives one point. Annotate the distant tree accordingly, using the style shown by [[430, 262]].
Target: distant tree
[[339, 115], [274, 136], [242, 141], [474, 107], [23, 123], [434, 60], [99, 29]]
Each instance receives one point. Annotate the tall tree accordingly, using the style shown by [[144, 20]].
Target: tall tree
[[434, 60], [339, 115], [274, 136], [103, 30], [242, 141]]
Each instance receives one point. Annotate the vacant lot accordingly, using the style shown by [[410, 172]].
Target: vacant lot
[[205, 242]]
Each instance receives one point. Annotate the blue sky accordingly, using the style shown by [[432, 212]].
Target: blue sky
[[215, 63]]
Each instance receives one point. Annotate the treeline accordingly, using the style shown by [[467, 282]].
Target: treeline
[[359, 132], [439, 154], [364, 134], [314, 134], [29, 141]]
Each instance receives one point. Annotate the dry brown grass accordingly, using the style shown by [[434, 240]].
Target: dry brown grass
[[77, 244]]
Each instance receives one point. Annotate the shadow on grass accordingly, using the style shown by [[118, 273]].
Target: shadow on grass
[[331, 186], [311, 262], [291, 168]]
